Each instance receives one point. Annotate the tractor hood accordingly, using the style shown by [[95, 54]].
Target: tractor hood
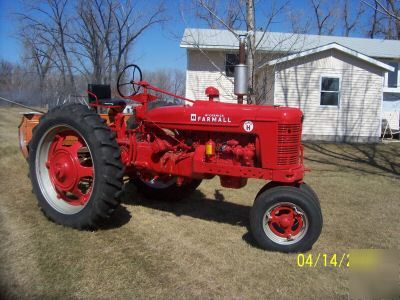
[[218, 114]]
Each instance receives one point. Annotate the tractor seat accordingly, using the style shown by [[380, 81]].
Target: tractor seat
[[103, 93]]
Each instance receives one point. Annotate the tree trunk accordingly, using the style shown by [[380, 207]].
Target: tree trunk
[[251, 41]]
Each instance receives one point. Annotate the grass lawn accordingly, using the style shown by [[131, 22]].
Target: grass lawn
[[199, 247]]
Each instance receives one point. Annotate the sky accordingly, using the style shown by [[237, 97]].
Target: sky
[[157, 48]]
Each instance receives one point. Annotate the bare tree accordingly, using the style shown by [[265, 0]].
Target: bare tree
[[172, 80], [93, 36], [50, 20], [18, 82], [243, 13], [299, 21], [40, 56], [83, 41], [251, 47], [130, 26], [374, 22], [324, 17], [220, 15], [349, 22], [386, 18], [6, 70]]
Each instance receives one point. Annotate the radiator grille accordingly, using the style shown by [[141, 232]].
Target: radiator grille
[[289, 136]]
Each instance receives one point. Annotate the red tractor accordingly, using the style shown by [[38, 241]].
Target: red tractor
[[78, 158]]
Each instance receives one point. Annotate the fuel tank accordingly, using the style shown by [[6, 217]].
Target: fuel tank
[[217, 116]]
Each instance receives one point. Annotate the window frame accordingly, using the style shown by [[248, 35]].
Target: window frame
[[392, 63], [386, 74], [226, 65], [321, 91]]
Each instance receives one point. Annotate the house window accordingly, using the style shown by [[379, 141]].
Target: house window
[[393, 76], [330, 91], [231, 60]]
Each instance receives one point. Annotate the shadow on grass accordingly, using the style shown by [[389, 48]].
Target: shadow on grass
[[365, 158], [119, 218], [197, 205]]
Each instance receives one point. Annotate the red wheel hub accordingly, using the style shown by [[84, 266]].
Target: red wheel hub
[[285, 221], [70, 168]]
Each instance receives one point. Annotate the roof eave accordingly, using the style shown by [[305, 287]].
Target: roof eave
[[328, 47], [219, 47]]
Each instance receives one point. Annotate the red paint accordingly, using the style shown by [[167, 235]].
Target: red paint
[[285, 222], [248, 141], [266, 147], [212, 93], [66, 170]]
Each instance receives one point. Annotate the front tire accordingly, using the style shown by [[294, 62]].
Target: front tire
[[285, 219], [74, 167]]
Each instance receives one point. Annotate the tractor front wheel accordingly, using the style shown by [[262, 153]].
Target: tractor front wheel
[[286, 219], [74, 167]]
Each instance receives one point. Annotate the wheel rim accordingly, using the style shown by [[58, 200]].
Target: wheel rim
[[64, 169], [285, 223]]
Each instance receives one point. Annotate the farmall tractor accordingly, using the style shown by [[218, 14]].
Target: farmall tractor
[[79, 158]]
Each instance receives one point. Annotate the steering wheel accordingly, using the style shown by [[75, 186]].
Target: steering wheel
[[128, 89]]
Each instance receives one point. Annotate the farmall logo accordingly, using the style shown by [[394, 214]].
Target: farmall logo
[[211, 118]]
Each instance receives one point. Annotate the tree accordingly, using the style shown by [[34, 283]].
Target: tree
[[40, 56], [172, 80], [374, 22], [386, 18], [6, 70], [251, 47], [325, 18], [241, 15], [51, 23], [77, 39], [351, 23], [129, 27], [94, 38], [219, 15]]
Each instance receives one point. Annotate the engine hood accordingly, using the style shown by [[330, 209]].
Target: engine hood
[[217, 114]]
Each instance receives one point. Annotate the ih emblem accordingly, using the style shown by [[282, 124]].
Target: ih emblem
[[248, 126]]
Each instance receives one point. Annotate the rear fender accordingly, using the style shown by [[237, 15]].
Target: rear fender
[[273, 184], [25, 128]]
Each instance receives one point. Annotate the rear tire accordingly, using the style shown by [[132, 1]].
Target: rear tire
[[74, 167], [166, 191], [285, 219]]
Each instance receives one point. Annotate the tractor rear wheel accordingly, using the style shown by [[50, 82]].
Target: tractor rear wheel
[[286, 219], [165, 190], [74, 167]]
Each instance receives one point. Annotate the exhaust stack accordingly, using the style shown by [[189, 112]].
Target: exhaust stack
[[240, 76]]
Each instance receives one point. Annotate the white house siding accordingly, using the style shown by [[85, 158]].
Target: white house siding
[[204, 69], [357, 118], [207, 68]]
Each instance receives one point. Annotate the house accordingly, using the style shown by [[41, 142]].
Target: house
[[341, 84]]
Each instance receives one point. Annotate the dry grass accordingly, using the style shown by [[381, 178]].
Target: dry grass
[[199, 247]]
